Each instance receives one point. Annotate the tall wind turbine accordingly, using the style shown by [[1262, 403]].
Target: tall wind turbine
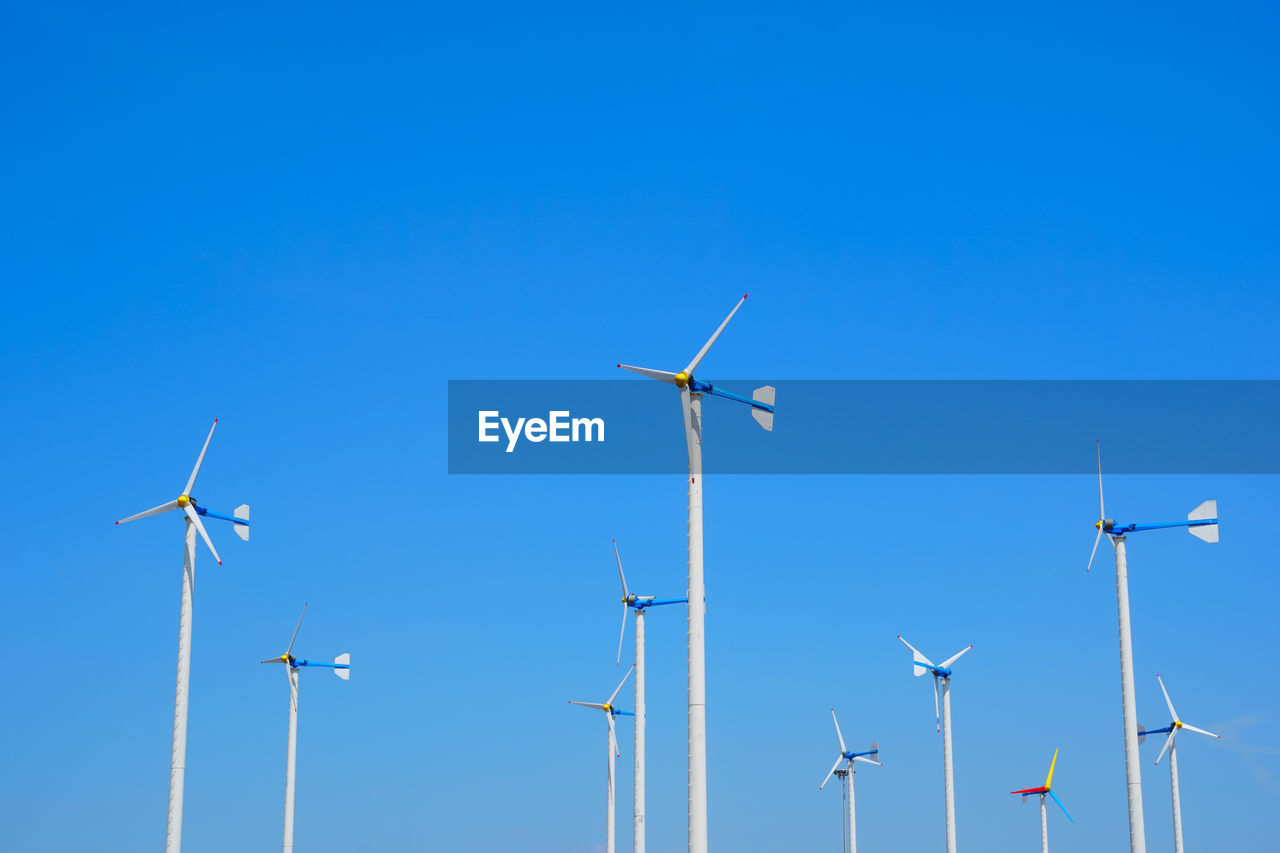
[[341, 667], [1202, 522], [610, 713], [638, 603], [1172, 748], [941, 675], [871, 756], [761, 402], [193, 511], [1046, 788]]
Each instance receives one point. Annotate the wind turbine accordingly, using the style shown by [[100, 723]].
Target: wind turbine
[[638, 603], [193, 511], [1202, 522], [761, 402], [941, 674], [610, 713], [1172, 748], [1046, 788], [341, 667], [870, 757]]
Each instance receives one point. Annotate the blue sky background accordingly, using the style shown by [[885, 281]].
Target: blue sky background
[[305, 219]]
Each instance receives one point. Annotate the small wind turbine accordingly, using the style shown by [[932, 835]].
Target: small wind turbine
[[638, 603], [761, 402], [1202, 522], [941, 675], [1172, 748], [342, 668], [193, 511], [610, 713], [871, 756], [1046, 788]]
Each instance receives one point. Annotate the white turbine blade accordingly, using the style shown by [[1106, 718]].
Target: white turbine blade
[[834, 767], [946, 663], [195, 519], [153, 511], [918, 658], [622, 633], [868, 760], [1167, 700], [1102, 512], [1094, 552], [595, 705], [613, 738], [292, 674], [625, 592], [1167, 742], [660, 375], [618, 689], [289, 650], [345, 659], [839, 736], [1192, 728], [697, 359], [199, 459], [936, 713]]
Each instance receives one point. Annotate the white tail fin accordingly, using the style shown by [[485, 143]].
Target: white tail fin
[[242, 530], [763, 395], [1207, 532], [344, 660], [917, 659], [1142, 732]]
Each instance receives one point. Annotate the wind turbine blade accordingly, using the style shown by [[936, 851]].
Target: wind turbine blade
[[195, 519], [153, 511], [1094, 552], [289, 651], [1061, 806], [199, 459], [272, 660], [292, 674], [1167, 700], [918, 658], [839, 736], [625, 592], [596, 705], [618, 689], [1192, 728], [622, 633], [613, 738], [936, 713], [830, 773], [868, 760], [1167, 743], [697, 359], [1102, 512], [660, 375], [1048, 780], [946, 663]]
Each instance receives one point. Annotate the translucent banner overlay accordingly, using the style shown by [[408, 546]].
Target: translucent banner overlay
[[869, 427]]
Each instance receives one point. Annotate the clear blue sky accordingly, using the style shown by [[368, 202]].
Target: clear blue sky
[[304, 219]]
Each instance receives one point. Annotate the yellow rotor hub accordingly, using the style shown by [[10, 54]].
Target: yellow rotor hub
[[682, 379], [183, 500]]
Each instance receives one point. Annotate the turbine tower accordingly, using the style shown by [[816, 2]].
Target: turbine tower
[[941, 674], [610, 713], [691, 392], [1046, 788], [1202, 522], [638, 603], [1172, 748], [871, 756], [341, 667], [193, 511]]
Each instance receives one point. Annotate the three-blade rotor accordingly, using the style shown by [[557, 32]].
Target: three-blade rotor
[[1176, 724], [1046, 789], [847, 756], [921, 665]]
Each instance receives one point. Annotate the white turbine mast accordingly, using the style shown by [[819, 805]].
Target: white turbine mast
[[192, 512], [941, 684], [1202, 522], [610, 712], [691, 393], [848, 757]]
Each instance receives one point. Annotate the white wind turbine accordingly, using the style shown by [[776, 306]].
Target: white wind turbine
[[610, 713], [342, 668], [1202, 522], [1172, 748], [871, 756], [240, 521], [691, 391], [638, 603], [942, 675]]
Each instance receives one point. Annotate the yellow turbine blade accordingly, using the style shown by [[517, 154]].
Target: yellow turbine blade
[[1048, 782]]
